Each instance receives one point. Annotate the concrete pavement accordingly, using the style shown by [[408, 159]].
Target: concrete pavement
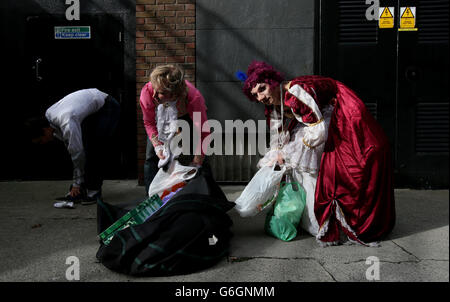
[[36, 239]]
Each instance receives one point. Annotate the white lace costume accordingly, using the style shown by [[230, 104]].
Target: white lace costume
[[302, 152]]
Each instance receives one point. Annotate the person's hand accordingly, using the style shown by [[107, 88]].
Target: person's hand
[[160, 154], [280, 159], [75, 191], [197, 161]]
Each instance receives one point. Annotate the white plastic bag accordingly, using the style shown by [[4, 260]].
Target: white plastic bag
[[175, 174], [260, 189], [166, 118]]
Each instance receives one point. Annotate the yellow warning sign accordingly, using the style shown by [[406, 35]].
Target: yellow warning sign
[[407, 13], [386, 13], [386, 17], [407, 18]]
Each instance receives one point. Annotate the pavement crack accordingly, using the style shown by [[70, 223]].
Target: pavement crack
[[400, 262], [71, 218], [233, 259], [405, 250], [388, 261], [239, 259], [242, 259], [328, 272]]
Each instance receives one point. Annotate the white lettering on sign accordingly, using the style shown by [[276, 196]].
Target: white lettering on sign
[[72, 32]]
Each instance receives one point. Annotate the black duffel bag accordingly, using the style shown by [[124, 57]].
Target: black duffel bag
[[189, 233]]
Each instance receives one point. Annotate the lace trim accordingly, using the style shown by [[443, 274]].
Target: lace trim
[[341, 218]]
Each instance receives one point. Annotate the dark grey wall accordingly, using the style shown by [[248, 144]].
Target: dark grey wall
[[232, 33], [229, 35]]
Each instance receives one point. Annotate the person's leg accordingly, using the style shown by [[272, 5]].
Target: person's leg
[[93, 165], [150, 165], [101, 127]]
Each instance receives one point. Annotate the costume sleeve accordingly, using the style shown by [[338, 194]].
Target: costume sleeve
[[197, 111], [306, 111], [303, 109], [148, 112], [322, 88]]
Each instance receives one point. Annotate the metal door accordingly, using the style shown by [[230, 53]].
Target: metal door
[[58, 67], [402, 76], [423, 97]]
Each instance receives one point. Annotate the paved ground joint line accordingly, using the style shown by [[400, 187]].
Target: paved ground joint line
[[242, 259], [234, 259], [323, 267], [405, 250]]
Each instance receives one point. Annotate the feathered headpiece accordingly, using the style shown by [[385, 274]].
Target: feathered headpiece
[[242, 76]]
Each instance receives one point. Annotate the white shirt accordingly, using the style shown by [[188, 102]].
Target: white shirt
[[166, 121], [66, 117]]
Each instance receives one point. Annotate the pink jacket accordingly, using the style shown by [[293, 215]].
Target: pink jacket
[[195, 103]]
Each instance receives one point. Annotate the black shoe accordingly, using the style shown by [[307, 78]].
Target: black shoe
[[76, 199], [91, 200]]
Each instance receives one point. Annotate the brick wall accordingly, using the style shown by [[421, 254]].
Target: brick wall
[[165, 33]]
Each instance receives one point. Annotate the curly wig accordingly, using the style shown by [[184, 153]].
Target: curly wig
[[169, 78], [261, 72]]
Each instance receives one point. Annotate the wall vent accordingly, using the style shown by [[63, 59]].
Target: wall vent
[[353, 27], [432, 21], [372, 107], [432, 127]]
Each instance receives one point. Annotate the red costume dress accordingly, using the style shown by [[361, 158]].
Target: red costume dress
[[354, 191]]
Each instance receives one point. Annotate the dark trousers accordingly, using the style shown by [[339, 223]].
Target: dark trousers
[[150, 165], [98, 130], [151, 159]]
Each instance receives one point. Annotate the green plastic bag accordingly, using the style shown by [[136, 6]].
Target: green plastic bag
[[283, 219]]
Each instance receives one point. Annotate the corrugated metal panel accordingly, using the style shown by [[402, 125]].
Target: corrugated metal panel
[[353, 27], [372, 107], [432, 21], [432, 127], [234, 168]]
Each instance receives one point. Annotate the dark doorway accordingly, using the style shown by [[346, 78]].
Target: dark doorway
[[57, 67], [402, 76]]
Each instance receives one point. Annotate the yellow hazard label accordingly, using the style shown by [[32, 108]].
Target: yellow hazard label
[[407, 17], [407, 13], [386, 13], [386, 17]]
